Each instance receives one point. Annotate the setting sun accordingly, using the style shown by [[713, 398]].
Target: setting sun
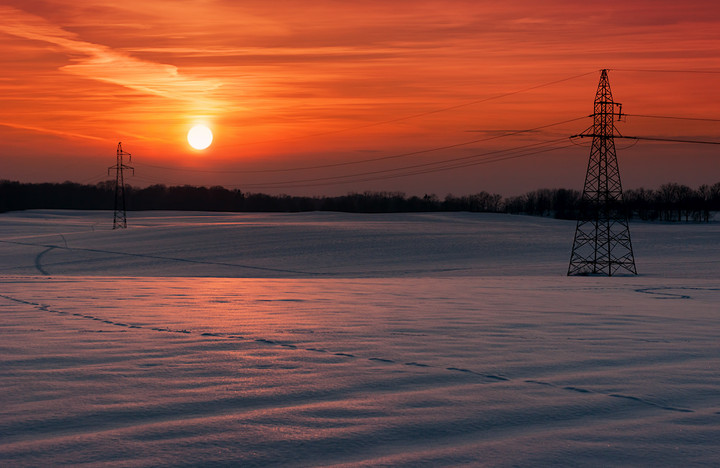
[[200, 137]]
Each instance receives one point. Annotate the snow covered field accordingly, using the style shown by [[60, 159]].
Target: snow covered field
[[327, 339]]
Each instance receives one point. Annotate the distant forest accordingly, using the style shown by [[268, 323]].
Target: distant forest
[[670, 202]]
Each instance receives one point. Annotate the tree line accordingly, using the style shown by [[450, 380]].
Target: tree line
[[670, 202]]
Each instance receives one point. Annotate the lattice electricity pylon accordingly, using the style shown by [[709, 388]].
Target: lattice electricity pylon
[[602, 243], [120, 216]]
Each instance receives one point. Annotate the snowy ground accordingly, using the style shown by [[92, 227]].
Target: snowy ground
[[325, 339]]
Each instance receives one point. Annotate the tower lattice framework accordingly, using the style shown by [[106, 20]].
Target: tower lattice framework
[[602, 243], [120, 215]]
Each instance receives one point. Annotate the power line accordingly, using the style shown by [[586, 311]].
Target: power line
[[669, 140], [96, 178], [439, 166], [435, 111], [152, 181], [408, 174], [637, 70], [701, 119], [381, 158], [672, 140], [415, 166], [449, 164]]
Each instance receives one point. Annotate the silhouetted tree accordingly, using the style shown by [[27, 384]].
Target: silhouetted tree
[[671, 202]]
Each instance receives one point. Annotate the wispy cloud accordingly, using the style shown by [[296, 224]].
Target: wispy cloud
[[102, 63], [321, 78], [50, 131]]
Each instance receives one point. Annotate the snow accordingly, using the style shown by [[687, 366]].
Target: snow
[[328, 339]]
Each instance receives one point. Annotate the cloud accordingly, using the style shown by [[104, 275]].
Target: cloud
[[102, 63], [50, 131]]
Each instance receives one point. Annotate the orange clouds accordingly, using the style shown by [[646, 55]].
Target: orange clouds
[[282, 82], [99, 62]]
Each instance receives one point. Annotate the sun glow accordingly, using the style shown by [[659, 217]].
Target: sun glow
[[200, 137]]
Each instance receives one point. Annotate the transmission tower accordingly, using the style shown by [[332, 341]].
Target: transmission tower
[[120, 216], [602, 238]]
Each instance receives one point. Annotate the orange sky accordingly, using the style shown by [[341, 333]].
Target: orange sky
[[287, 85]]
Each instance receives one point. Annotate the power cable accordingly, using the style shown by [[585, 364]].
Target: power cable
[[440, 169], [701, 119], [381, 158], [414, 166], [637, 70], [95, 178], [670, 140], [426, 168], [435, 111]]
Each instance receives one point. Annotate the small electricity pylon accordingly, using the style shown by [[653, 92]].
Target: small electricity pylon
[[602, 237], [120, 216]]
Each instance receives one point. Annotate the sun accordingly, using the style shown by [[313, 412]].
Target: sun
[[200, 137]]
